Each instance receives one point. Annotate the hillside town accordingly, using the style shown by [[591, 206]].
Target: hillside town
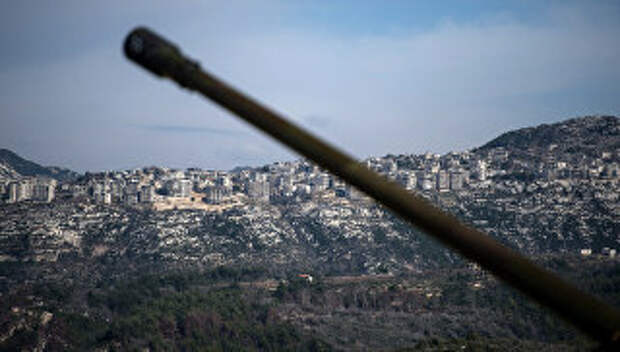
[[537, 200], [326, 252], [465, 173]]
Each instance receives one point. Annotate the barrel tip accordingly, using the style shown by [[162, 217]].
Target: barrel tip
[[152, 51], [134, 42]]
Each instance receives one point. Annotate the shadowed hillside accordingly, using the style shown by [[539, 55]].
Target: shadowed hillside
[[24, 167]]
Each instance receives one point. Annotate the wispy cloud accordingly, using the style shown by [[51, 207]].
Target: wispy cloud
[[189, 130]]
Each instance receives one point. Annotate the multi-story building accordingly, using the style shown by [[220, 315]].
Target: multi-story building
[[407, 179], [258, 189], [456, 180], [217, 194], [147, 194], [443, 181], [43, 190], [480, 170]]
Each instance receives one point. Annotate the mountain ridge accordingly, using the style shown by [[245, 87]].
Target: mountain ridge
[[11, 164], [588, 135]]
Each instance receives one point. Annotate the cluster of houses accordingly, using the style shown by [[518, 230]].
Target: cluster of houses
[[286, 181]]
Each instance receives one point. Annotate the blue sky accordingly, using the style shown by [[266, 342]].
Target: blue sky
[[375, 77]]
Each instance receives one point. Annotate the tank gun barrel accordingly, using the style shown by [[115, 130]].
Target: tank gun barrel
[[594, 317]]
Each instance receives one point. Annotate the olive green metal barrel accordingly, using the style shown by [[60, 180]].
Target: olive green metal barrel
[[597, 319]]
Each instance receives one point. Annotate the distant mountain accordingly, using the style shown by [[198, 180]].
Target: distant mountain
[[588, 135], [12, 164]]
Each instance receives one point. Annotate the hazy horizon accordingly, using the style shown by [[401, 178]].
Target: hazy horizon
[[373, 78], [294, 158]]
